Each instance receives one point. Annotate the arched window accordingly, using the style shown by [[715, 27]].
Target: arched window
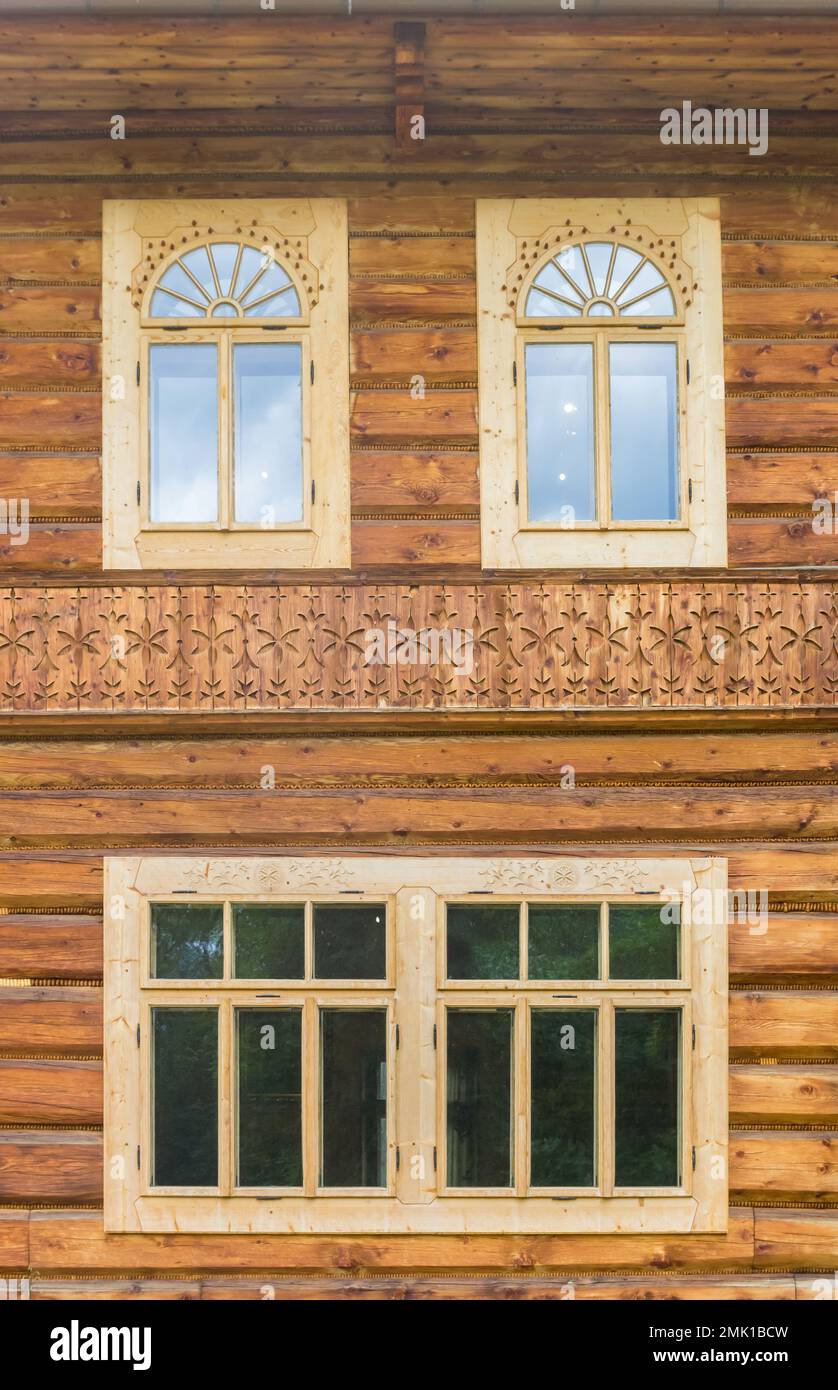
[[226, 393], [601, 347]]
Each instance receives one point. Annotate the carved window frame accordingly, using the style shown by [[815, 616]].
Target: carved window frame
[[416, 995], [515, 238], [309, 237]]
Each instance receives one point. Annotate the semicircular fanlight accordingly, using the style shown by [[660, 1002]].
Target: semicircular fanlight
[[599, 279], [224, 280]]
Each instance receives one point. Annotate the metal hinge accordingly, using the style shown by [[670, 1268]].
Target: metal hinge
[[693, 1037], [311, 372], [138, 1035], [434, 1157], [688, 371], [693, 1158], [517, 490], [398, 1158], [313, 489], [690, 489], [514, 373], [138, 1156], [397, 1037], [434, 1037], [138, 493], [138, 373]]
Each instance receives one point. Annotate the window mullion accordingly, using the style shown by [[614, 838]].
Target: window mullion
[[225, 428], [521, 1097], [606, 1117], [311, 1098], [603, 429], [228, 1091]]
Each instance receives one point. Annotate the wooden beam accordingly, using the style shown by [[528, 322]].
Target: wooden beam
[[409, 75]]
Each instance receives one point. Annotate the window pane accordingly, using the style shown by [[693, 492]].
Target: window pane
[[353, 1064], [183, 432], [270, 1131], [564, 942], [483, 942], [644, 431], [187, 943], [560, 431], [185, 1045], [268, 430], [479, 1099], [641, 945], [350, 941], [269, 942], [563, 1072], [648, 1084]]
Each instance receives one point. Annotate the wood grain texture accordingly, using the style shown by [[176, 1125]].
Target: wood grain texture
[[35, 1165], [784, 1167], [786, 945], [51, 1021], [789, 1239], [786, 1023], [50, 1091], [784, 1094], [50, 947], [66, 486], [793, 478]]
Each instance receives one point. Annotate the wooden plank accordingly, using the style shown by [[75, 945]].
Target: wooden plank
[[58, 486], [783, 261], [67, 421], [53, 549], [445, 415], [804, 311], [388, 214], [432, 353], [785, 871], [62, 362], [781, 363], [50, 259], [777, 542], [48, 310], [783, 1166], [51, 947], [75, 1240], [437, 301], [115, 1290], [789, 944], [50, 1092], [51, 1021], [795, 1239], [783, 1094], [425, 1288], [623, 814], [450, 543], [50, 1166], [49, 881], [794, 478], [421, 256], [782, 420], [784, 1023], [426, 482], [408, 81], [14, 1240]]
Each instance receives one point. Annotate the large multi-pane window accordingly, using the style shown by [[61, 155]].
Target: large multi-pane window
[[546, 1039]]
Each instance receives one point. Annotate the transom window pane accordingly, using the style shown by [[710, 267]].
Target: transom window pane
[[267, 405], [647, 1097], [269, 1095], [187, 941], [269, 941], [560, 432], [642, 945], [479, 1097], [350, 941], [563, 942], [185, 1106], [245, 279], [482, 942], [599, 278], [644, 431], [354, 1097], [183, 432], [563, 1047]]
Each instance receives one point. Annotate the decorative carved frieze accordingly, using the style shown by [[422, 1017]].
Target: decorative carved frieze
[[454, 646]]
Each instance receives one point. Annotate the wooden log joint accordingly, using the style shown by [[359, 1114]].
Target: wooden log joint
[[409, 74]]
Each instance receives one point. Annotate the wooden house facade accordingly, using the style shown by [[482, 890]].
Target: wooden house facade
[[417, 697]]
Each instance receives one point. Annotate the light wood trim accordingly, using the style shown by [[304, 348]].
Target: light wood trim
[[699, 538], [322, 539], [416, 1199]]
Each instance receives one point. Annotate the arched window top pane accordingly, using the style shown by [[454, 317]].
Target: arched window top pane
[[225, 279], [599, 279]]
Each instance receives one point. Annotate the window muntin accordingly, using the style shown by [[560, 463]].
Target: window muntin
[[224, 280], [599, 280]]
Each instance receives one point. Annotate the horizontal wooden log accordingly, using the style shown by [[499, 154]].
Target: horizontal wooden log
[[40, 362], [49, 882], [59, 486], [448, 543], [779, 542], [54, 549], [75, 1240], [50, 1091], [426, 482], [425, 1288], [52, 1166], [433, 353], [784, 1166], [794, 479], [50, 947], [69, 421], [383, 415], [51, 1021], [440, 301], [514, 815], [771, 261], [781, 363], [809, 311], [48, 310], [14, 1241], [784, 1023], [420, 256], [783, 1094], [389, 214], [786, 945], [795, 1239], [50, 259], [795, 421]]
